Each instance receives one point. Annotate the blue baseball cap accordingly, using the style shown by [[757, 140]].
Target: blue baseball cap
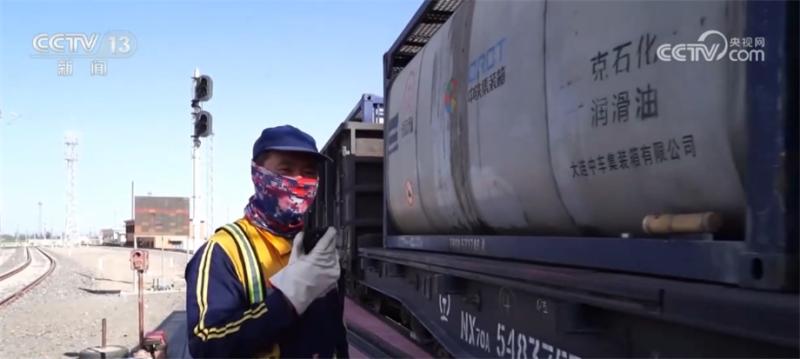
[[286, 138]]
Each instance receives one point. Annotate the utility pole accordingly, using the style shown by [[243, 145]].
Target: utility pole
[[193, 221], [133, 234], [41, 229], [133, 217], [210, 184], [1, 174]]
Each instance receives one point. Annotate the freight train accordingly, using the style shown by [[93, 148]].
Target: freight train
[[567, 179]]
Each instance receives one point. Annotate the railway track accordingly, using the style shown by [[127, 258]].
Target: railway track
[[18, 281], [19, 268]]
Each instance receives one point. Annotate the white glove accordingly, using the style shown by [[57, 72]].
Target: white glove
[[308, 276]]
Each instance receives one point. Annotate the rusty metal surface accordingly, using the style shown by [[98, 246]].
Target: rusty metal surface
[[141, 307]]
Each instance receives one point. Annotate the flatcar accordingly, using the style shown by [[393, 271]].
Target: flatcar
[[567, 179]]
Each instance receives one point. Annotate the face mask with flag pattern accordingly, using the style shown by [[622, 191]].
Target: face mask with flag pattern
[[280, 201]]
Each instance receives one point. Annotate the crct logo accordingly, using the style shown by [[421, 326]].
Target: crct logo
[[713, 45]]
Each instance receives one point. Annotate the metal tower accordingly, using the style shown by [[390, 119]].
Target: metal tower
[[71, 156]]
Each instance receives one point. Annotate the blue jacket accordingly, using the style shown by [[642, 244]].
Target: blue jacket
[[233, 312]]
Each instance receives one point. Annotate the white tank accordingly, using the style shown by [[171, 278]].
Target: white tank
[[527, 117], [683, 120], [401, 150]]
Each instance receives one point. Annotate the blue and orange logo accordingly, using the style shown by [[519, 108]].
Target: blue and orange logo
[[450, 96]]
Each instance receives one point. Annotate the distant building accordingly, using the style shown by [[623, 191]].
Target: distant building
[[107, 236], [159, 222]]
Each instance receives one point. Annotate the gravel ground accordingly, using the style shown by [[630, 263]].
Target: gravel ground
[[57, 319], [10, 258], [111, 269]]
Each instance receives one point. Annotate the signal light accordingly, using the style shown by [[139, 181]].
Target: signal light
[[203, 89], [202, 124]]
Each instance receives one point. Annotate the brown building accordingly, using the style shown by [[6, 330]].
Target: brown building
[[159, 222]]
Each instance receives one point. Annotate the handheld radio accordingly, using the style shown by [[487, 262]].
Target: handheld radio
[[311, 237], [312, 233]]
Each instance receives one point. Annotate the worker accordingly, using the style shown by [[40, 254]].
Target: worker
[[252, 290]]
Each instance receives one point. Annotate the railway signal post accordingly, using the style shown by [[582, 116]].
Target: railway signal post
[[202, 127]]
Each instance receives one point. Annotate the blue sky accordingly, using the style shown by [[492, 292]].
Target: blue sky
[[273, 62]]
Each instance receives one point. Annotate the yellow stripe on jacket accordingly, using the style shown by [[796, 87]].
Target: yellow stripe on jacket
[[272, 253]]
